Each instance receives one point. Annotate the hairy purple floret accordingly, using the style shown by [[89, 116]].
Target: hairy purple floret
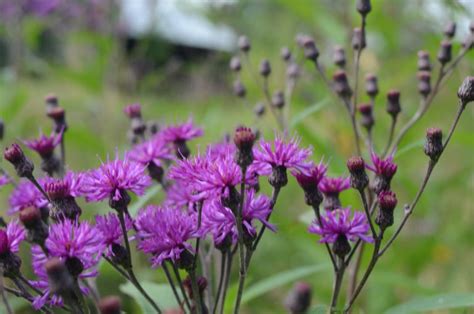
[[110, 229], [334, 185], [155, 150], [25, 195], [44, 145], [181, 132], [383, 167], [338, 222]]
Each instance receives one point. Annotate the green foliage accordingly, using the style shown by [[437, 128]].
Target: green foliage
[[434, 303], [160, 293]]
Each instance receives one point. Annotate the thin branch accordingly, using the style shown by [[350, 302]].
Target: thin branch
[[173, 287]]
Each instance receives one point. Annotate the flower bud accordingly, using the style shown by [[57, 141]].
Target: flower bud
[[156, 172], [259, 109], [471, 27], [279, 177], [133, 111], [51, 101], [278, 99], [424, 63], [23, 166], [110, 305], [359, 178], [310, 50], [122, 203], [339, 57], [466, 90], [393, 103], [358, 39], [60, 280], [74, 266], [293, 71], [201, 283], [59, 117], [444, 53], [239, 89], [235, 64], [424, 83], [371, 85], [244, 139], [434, 143], [450, 29], [63, 204], [244, 43], [363, 7], [468, 42], [367, 120], [285, 54], [37, 229], [9, 263], [265, 68], [30, 216], [387, 203], [341, 246], [341, 85], [298, 299]]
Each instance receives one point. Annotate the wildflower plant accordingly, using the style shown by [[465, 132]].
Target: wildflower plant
[[214, 213]]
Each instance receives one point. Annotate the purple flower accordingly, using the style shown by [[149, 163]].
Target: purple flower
[[154, 151], [338, 223], [11, 238], [220, 221], [284, 154], [133, 110], [181, 132], [109, 226], [309, 180], [45, 145], [179, 195], [383, 167], [164, 232], [113, 178], [25, 195], [332, 186], [69, 186], [5, 179]]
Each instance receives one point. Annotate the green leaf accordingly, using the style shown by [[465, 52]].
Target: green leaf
[[438, 302], [318, 309], [300, 116], [144, 199], [160, 293], [279, 280]]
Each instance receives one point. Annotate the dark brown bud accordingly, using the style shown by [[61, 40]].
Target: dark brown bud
[[367, 117], [278, 99], [298, 300], [424, 63], [339, 57], [285, 53], [244, 43], [235, 64], [23, 166], [393, 103], [450, 29], [424, 83], [310, 50], [279, 177], [59, 117], [74, 266], [434, 143], [133, 111], [300, 39], [110, 305], [471, 27], [201, 282], [466, 90], [444, 53], [51, 100], [359, 178], [239, 89], [371, 85], [468, 42], [259, 109], [387, 203], [60, 280], [341, 85], [244, 139], [265, 68], [358, 39], [30, 217], [363, 7]]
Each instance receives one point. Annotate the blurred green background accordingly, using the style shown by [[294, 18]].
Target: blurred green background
[[97, 66]]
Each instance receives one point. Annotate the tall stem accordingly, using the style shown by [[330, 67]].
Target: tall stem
[[4, 297], [173, 287], [221, 281], [339, 274], [275, 193], [181, 286], [228, 268]]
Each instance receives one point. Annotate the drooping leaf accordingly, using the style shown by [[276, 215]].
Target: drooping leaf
[[432, 303]]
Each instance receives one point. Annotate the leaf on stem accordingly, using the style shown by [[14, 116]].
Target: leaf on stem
[[437, 302]]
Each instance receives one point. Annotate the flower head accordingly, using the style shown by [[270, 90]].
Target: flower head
[[153, 151], [164, 232], [109, 226], [45, 145], [284, 154], [133, 111], [181, 132], [339, 223], [113, 178], [384, 169], [68, 186], [11, 238], [334, 185], [309, 180], [220, 221], [25, 195]]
